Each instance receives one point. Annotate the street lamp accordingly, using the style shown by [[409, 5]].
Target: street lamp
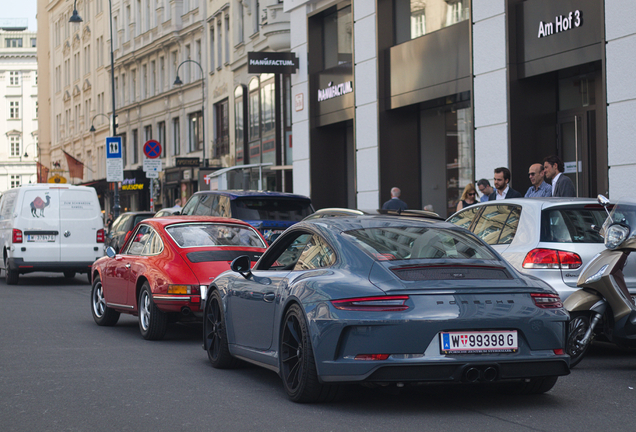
[[92, 129], [177, 82], [77, 19]]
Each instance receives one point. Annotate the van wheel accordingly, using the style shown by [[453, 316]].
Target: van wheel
[[69, 274], [10, 275]]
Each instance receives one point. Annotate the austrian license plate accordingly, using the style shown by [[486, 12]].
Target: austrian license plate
[[477, 342], [40, 238]]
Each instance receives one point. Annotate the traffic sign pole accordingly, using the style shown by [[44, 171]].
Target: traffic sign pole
[[152, 150]]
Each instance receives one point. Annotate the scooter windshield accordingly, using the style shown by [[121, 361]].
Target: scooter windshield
[[623, 212]]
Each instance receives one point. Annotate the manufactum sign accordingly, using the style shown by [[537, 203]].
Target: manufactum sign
[[272, 62]]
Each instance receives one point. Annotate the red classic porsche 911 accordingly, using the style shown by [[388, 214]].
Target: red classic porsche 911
[[163, 267]]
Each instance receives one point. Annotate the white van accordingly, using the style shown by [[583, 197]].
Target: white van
[[51, 228]]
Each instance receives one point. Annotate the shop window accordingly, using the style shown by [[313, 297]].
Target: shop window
[[254, 116], [268, 119], [222, 129], [338, 38], [415, 18]]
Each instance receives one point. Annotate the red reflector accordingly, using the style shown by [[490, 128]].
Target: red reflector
[[100, 235], [551, 259], [17, 236], [559, 351], [195, 299], [546, 301], [375, 304], [372, 357]]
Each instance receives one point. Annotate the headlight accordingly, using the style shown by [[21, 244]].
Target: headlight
[[615, 235], [596, 276]]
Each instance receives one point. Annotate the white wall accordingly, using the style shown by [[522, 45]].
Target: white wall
[[490, 88], [620, 28]]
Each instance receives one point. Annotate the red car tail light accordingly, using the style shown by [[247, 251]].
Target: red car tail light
[[546, 301], [100, 235], [374, 304], [551, 259], [17, 236], [371, 357]]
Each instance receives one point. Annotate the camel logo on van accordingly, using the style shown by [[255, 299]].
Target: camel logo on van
[[38, 205]]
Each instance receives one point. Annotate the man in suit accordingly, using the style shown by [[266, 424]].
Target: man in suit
[[502, 187], [553, 169], [395, 203]]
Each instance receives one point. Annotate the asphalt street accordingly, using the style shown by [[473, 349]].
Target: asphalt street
[[59, 371]]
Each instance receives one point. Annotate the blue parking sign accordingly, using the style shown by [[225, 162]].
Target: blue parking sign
[[113, 147]]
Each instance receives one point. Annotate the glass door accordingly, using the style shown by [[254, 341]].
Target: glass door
[[576, 133]]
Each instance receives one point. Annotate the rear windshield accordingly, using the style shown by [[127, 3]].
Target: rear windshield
[[283, 209], [572, 224], [403, 243], [207, 234]]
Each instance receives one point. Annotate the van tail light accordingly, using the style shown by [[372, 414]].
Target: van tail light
[[546, 301], [552, 259], [17, 236], [373, 304], [100, 235]]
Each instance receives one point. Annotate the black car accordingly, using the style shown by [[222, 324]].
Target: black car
[[122, 227], [269, 212]]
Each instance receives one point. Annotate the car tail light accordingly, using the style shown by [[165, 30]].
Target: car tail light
[[551, 259], [559, 351], [375, 304], [371, 357], [546, 301], [100, 235], [183, 289], [17, 236]]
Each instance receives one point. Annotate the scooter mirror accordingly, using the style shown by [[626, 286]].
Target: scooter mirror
[[603, 201]]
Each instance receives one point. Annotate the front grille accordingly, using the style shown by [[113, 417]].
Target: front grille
[[450, 273]]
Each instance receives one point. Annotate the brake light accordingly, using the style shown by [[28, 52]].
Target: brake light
[[551, 259], [374, 304], [100, 235], [17, 236], [546, 301]]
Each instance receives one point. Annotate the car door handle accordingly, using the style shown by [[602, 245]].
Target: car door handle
[[127, 265], [269, 297]]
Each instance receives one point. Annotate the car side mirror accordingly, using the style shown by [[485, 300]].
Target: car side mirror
[[110, 252], [242, 265]]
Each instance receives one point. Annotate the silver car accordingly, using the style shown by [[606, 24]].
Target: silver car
[[550, 238]]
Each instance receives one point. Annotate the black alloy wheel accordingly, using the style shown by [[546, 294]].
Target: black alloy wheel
[[579, 324], [297, 365], [215, 334]]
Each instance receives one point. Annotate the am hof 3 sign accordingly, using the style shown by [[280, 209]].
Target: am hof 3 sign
[[152, 161]]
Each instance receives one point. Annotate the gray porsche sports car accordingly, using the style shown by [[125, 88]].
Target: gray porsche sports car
[[378, 299]]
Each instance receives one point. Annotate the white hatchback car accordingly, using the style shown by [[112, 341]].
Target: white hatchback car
[[550, 238]]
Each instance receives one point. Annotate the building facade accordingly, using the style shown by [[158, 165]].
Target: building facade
[[19, 107], [429, 95], [179, 77]]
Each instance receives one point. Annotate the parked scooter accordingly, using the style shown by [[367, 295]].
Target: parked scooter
[[603, 305]]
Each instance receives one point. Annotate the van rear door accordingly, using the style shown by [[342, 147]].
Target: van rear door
[[40, 224], [80, 218]]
